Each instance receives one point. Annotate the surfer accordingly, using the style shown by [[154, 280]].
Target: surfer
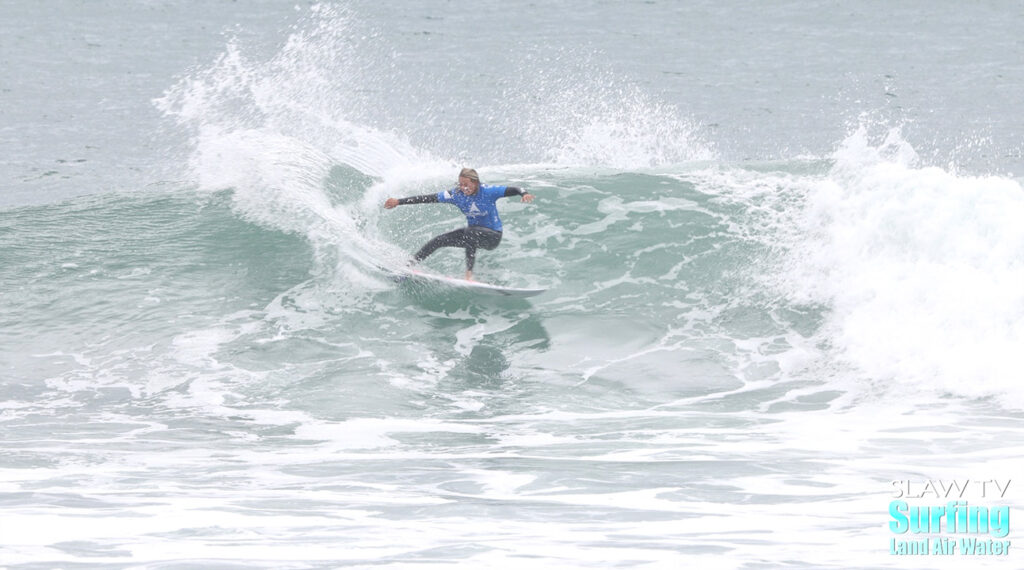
[[479, 204]]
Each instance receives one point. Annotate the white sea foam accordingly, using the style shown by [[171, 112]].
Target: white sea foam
[[921, 270]]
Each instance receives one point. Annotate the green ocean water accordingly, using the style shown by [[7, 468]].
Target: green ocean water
[[647, 254]]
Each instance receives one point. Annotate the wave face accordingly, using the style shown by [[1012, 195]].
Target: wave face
[[215, 367]]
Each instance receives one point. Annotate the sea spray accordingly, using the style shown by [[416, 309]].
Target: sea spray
[[274, 131], [574, 112]]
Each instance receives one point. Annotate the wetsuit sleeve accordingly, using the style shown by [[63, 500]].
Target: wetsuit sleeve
[[424, 199], [513, 191]]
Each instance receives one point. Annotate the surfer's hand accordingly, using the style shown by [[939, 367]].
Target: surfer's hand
[[527, 197], [391, 203]]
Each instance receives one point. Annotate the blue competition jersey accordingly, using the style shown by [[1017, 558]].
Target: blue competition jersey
[[481, 208]]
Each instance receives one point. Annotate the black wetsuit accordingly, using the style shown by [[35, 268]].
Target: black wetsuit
[[484, 229]]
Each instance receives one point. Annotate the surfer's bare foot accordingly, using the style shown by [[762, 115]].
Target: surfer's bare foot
[[469, 276]]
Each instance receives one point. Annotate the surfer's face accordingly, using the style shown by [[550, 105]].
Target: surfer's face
[[467, 186]]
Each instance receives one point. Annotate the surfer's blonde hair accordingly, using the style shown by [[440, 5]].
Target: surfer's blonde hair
[[470, 174]]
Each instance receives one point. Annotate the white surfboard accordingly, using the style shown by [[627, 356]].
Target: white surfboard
[[417, 276]]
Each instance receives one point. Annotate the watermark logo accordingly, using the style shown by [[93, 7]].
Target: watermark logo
[[960, 517]]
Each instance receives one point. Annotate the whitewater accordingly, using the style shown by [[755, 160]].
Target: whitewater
[[785, 293]]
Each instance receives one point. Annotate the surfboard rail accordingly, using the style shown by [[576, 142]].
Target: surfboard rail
[[419, 276]]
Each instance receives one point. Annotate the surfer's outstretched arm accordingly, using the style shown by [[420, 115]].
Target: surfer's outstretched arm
[[424, 199], [513, 191]]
